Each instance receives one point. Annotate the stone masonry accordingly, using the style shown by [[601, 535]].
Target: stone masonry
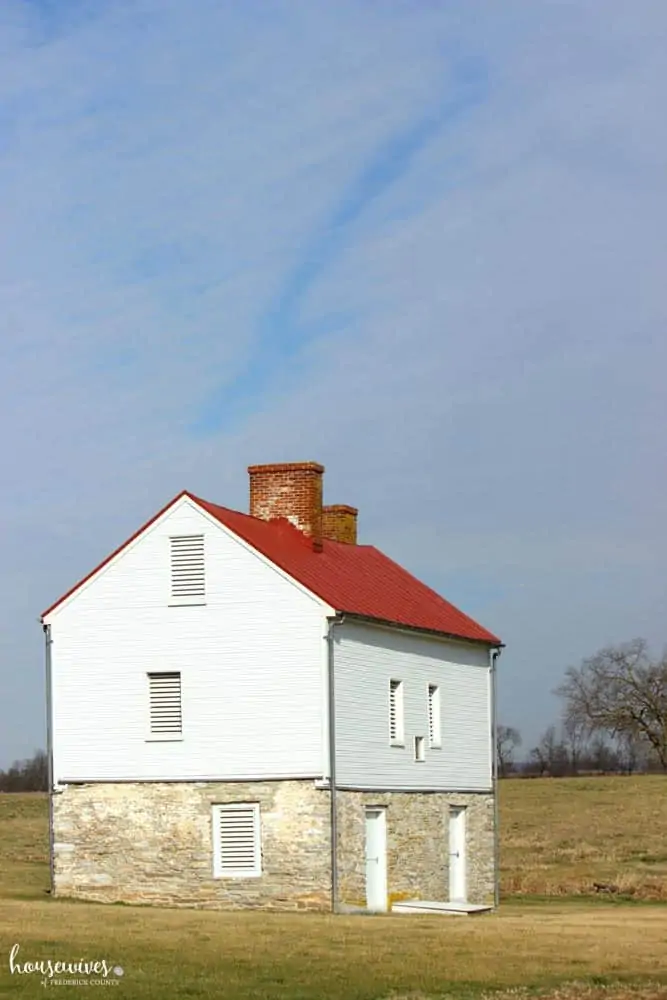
[[152, 843], [417, 845]]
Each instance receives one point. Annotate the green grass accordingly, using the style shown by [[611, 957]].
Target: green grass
[[531, 945]]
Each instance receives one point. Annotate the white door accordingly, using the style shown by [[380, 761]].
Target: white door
[[457, 854], [376, 860]]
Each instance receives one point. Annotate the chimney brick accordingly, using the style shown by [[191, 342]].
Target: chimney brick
[[292, 490], [339, 523]]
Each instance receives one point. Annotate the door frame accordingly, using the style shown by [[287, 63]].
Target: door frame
[[456, 842], [380, 817]]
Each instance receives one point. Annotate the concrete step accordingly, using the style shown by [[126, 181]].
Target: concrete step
[[458, 909]]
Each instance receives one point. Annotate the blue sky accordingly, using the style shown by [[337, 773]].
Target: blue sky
[[422, 243]]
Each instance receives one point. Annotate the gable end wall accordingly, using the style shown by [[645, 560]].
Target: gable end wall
[[252, 661]]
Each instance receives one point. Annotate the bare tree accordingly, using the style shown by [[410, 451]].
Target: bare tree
[[550, 754], [26, 775], [632, 753], [622, 692], [507, 740], [603, 757], [575, 738]]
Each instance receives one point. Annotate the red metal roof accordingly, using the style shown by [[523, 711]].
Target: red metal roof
[[356, 579]]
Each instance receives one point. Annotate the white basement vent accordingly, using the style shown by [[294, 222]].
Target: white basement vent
[[188, 583], [236, 841], [164, 694]]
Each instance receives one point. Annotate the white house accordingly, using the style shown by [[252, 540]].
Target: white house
[[256, 711]]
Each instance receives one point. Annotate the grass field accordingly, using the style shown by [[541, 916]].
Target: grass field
[[564, 948], [560, 835]]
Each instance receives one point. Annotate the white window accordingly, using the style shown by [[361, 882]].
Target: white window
[[419, 748], [396, 734], [188, 583], [434, 734], [164, 700], [237, 851]]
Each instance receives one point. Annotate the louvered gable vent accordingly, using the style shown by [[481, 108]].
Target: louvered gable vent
[[236, 841], [164, 693], [188, 582]]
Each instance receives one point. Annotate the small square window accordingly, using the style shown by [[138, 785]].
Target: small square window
[[419, 748]]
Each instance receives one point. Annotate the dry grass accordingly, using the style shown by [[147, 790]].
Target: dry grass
[[566, 991], [560, 835], [561, 949], [175, 953], [24, 845], [587, 991]]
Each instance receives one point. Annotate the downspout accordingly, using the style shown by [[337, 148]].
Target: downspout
[[337, 620], [49, 751], [494, 757]]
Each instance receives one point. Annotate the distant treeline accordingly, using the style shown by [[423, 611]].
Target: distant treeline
[[553, 760], [27, 775], [613, 719]]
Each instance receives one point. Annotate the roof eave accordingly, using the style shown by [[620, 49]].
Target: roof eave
[[493, 642]]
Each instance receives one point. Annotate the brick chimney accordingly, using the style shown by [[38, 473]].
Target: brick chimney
[[339, 523], [292, 490]]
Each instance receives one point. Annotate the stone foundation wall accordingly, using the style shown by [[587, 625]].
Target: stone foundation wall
[[417, 844], [152, 843]]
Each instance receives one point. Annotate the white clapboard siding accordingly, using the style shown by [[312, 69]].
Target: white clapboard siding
[[164, 702], [237, 851], [251, 659], [188, 569], [367, 659]]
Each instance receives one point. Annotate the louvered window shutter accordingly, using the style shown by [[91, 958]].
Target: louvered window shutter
[[188, 581], [236, 841], [164, 693], [434, 715], [396, 711]]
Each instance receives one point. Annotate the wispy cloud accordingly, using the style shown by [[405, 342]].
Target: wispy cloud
[[282, 331], [422, 243]]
